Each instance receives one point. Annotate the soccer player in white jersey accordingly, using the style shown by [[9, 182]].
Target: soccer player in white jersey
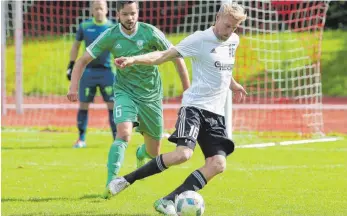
[[201, 115]]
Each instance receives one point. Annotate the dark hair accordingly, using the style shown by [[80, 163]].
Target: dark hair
[[120, 4]]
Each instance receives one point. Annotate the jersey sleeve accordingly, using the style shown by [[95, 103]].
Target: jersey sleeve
[[79, 33], [161, 43], [100, 44], [190, 46]]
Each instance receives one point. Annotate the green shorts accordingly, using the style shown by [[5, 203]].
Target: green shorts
[[147, 116]]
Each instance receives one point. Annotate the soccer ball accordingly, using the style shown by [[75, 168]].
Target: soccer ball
[[189, 203]]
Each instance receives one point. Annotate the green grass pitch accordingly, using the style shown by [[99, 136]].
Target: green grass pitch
[[43, 175]]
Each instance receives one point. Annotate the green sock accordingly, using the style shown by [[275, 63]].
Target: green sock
[[142, 153], [115, 158]]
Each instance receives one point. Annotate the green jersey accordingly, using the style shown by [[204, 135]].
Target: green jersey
[[141, 82]]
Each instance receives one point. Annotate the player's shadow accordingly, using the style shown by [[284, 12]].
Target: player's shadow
[[84, 213], [115, 214], [92, 197], [42, 147], [45, 199]]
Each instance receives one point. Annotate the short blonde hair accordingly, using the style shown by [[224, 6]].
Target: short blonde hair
[[99, 1], [233, 9]]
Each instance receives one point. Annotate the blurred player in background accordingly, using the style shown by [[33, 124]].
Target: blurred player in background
[[138, 90], [201, 117], [98, 73]]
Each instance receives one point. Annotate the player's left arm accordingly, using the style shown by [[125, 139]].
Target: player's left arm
[[164, 52], [74, 51], [237, 89], [157, 58]]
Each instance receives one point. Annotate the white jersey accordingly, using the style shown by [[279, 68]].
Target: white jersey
[[212, 62]]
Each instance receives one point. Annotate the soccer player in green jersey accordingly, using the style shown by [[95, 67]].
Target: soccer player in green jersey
[[138, 89]]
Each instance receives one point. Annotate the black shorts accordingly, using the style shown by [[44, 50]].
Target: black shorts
[[194, 124]]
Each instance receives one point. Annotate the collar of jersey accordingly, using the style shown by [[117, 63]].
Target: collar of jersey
[[215, 36], [125, 34], [99, 23]]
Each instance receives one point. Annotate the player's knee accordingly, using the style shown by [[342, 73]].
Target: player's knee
[[216, 163], [183, 154], [124, 135], [124, 131]]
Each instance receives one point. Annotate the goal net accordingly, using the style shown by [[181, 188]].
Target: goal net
[[278, 62]]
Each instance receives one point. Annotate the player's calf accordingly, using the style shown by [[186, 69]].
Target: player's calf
[[179, 156]]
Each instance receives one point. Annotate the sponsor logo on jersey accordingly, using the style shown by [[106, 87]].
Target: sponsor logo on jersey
[[91, 30], [232, 50], [139, 44], [223, 66], [213, 50], [118, 46]]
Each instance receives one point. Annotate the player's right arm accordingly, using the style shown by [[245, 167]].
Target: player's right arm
[[101, 43], [78, 69], [74, 50]]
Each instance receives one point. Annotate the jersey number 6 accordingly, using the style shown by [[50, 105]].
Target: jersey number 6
[[118, 111]]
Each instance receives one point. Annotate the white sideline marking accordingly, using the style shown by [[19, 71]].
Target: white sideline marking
[[294, 142], [283, 167], [317, 150], [260, 145], [177, 106], [298, 142]]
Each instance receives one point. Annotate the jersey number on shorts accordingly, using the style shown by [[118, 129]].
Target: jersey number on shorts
[[194, 132], [118, 111]]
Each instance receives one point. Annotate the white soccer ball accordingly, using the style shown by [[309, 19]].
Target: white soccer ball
[[189, 203]]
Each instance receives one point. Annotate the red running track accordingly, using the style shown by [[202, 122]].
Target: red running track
[[264, 120]]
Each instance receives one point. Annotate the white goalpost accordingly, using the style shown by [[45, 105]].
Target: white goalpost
[[3, 62], [278, 62]]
